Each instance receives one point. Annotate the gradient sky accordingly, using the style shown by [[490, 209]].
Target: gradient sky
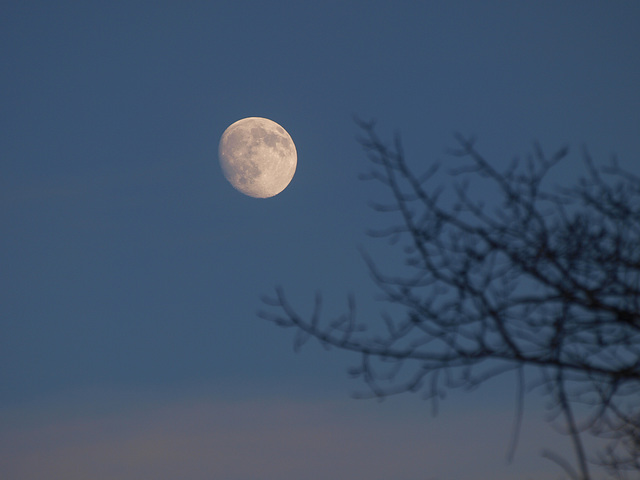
[[132, 271]]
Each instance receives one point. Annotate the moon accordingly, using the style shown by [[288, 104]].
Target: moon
[[257, 156]]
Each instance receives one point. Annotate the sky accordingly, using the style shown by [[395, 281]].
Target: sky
[[132, 272]]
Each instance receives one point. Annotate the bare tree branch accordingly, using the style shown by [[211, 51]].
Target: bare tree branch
[[546, 279]]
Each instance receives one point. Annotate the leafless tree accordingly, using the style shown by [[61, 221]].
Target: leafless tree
[[544, 283]]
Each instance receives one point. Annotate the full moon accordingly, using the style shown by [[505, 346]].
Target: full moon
[[257, 156]]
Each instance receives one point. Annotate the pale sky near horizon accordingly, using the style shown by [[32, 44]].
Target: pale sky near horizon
[[132, 271]]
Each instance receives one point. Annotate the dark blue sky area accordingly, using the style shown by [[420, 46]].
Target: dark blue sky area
[[129, 263]]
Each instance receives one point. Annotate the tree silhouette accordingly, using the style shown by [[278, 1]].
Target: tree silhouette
[[544, 283]]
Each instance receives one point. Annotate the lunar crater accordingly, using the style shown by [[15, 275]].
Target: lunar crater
[[257, 156]]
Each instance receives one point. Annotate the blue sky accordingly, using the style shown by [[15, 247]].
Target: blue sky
[[132, 271]]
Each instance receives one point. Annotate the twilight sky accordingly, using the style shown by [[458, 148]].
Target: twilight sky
[[132, 271]]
